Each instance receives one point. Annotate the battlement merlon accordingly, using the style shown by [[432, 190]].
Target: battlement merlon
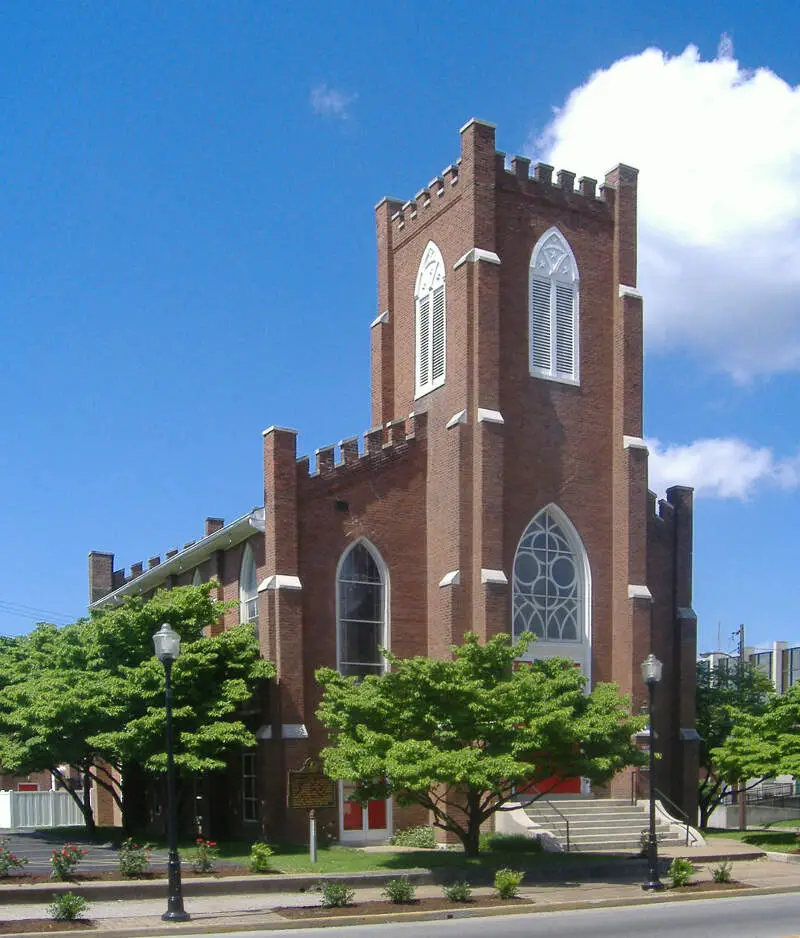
[[479, 158]]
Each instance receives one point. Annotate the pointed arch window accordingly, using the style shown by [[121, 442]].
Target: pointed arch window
[[197, 577], [553, 308], [550, 581], [431, 324], [361, 611], [248, 587]]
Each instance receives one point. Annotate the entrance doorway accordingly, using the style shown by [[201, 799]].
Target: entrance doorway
[[370, 822]]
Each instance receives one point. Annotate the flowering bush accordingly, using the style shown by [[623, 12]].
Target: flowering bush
[[204, 858], [134, 858], [65, 861], [9, 861]]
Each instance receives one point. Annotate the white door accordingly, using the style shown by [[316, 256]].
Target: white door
[[362, 823]]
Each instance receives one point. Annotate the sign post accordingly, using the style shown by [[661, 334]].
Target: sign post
[[310, 788]]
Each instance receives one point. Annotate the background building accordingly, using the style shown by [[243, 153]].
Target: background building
[[502, 488]]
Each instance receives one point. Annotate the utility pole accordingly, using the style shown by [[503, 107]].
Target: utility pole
[[742, 781]]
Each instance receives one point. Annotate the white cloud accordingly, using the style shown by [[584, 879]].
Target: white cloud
[[720, 468], [329, 102], [718, 149]]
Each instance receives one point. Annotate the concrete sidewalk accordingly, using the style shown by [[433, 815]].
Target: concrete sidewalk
[[243, 912]]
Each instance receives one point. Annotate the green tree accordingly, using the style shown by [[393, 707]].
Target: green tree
[[725, 696], [459, 736], [762, 745], [91, 695]]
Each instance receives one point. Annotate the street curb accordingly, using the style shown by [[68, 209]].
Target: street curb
[[783, 857], [196, 928]]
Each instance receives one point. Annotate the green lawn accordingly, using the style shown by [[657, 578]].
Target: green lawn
[[779, 841]]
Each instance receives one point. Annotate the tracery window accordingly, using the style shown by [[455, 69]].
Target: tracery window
[[361, 607], [248, 587], [554, 295], [549, 581], [431, 327]]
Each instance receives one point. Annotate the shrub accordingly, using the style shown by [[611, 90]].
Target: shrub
[[134, 859], [458, 892], [680, 871], [260, 854], [722, 873], [506, 882], [66, 907], [424, 838], [510, 843], [335, 895], [204, 856], [65, 861], [9, 861], [400, 890]]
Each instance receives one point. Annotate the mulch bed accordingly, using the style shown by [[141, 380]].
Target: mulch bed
[[113, 876], [709, 887], [43, 924], [382, 907]]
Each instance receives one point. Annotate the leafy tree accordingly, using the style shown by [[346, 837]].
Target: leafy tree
[[725, 696], [764, 744], [91, 695], [459, 736]]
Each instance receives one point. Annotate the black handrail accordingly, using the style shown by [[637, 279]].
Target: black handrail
[[680, 810], [558, 812]]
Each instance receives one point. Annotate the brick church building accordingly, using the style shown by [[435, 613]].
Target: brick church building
[[502, 488]]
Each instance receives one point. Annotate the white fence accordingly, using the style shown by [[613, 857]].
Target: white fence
[[38, 809]]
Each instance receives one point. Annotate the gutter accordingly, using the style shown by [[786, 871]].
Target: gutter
[[232, 534]]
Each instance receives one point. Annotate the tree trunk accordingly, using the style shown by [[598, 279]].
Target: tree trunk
[[86, 807]]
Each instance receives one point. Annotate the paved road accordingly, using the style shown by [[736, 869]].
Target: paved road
[[776, 916]]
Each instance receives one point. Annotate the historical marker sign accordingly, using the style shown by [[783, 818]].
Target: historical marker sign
[[310, 788]]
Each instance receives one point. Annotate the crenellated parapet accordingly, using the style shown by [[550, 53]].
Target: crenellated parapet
[[376, 447]]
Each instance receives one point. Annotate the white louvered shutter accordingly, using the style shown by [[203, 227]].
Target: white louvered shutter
[[565, 330], [423, 341], [437, 335], [540, 324]]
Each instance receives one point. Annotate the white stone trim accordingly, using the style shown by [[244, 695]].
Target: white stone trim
[[629, 291], [453, 578], [493, 576], [634, 442], [686, 612], [284, 429], [639, 592], [294, 731], [489, 416], [476, 254], [380, 318], [460, 417], [280, 581], [264, 732], [477, 120]]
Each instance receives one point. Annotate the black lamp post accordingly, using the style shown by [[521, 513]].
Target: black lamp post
[[651, 673], [168, 646]]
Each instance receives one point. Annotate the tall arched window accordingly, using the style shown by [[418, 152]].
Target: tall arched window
[[429, 300], [551, 582], [197, 577], [361, 611], [248, 587], [554, 294]]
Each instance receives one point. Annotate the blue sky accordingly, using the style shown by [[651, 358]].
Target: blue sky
[[188, 252]]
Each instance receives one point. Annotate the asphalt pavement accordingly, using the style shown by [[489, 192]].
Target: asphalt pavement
[[38, 846]]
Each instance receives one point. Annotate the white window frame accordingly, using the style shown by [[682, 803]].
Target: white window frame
[[384, 574], [248, 597], [579, 650], [553, 266], [430, 288]]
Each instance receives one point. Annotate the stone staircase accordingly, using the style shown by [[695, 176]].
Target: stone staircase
[[600, 824]]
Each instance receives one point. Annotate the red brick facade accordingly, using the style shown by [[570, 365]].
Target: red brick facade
[[445, 485]]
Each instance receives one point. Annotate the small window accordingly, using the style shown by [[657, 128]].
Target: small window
[[249, 795], [361, 612], [431, 326], [554, 294], [197, 577], [248, 587]]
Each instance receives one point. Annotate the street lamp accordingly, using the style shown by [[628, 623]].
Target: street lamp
[[651, 674], [167, 643]]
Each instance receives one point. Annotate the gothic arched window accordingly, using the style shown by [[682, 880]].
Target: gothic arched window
[[550, 581], [248, 587], [429, 301], [361, 611], [554, 295]]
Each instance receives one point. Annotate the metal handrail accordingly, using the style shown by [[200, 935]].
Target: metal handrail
[[560, 813], [680, 810]]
